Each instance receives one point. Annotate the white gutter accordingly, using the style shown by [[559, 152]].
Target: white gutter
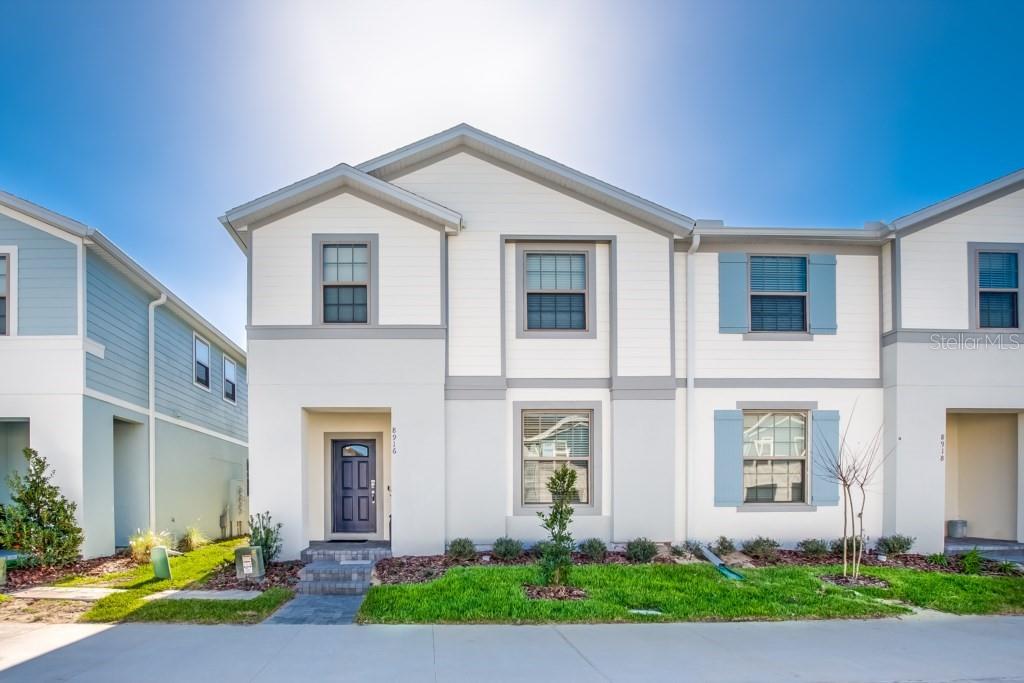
[[691, 370], [152, 407]]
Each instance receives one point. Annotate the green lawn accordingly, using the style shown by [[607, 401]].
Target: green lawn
[[189, 569], [694, 592]]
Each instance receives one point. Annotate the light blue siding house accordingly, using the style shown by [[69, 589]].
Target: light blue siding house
[[138, 402]]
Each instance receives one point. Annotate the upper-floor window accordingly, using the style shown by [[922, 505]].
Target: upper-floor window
[[345, 279], [230, 372], [4, 293], [551, 439], [998, 289], [774, 457], [778, 294], [201, 362], [556, 291]]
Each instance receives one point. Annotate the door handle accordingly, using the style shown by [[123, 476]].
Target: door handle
[[373, 491]]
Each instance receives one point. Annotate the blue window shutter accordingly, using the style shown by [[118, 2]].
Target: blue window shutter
[[824, 446], [822, 277], [732, 293], [728, 458]]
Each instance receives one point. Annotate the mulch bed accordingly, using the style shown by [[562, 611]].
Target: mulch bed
[[908, 561], [279, 575], [862, 581], [554, 592], [28, 577]]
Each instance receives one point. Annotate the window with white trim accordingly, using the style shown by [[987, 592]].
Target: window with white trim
[[345, 279], [5, 293], [778, 294], [556, 291], [230, 372], [552, 438], [998, 289], [774, 456], [201, 362]]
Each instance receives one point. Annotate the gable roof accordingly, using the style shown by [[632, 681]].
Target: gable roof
[[393, 164], [960, 203], [237, 220], [112, 253]]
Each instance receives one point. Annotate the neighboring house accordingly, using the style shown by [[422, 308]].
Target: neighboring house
[[434, 331], [137, 402]]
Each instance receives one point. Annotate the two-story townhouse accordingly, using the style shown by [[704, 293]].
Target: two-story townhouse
[[434, 331], [138, 403]]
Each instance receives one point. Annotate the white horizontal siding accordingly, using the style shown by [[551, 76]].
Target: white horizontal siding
[[410, 263], [493, 200], [474, 304], [850, 353], [933, 276], [680, 304], [558, 357]]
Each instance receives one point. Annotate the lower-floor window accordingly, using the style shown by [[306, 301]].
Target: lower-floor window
[[552, 438], [774, 457]]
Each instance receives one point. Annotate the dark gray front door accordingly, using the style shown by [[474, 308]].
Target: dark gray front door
[[353, 486]]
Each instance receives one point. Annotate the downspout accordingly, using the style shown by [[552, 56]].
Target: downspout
[[691, 370], [152, 407]]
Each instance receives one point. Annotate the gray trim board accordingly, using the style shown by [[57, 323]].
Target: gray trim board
[[277, 332], [778, 336], [643, 394], [474, 394], [589, 251], [973, 287], [776, 507], [787, 383], [896, 280], [1008, 337], [776, 405], [558, 383], [957, 204], [810, 243], [372, 241], [596, 455]]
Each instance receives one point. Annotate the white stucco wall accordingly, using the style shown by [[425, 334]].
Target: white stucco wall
[[860, 412], [405, 377]]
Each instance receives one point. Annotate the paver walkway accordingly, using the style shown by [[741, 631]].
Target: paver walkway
[[940, 649], [318, 609], [85, 593]]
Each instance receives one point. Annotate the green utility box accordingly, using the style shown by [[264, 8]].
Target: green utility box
[[3, 571], [160, 558], [249, 563]]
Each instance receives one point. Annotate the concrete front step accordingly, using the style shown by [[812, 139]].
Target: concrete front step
[[342, 553], [346, 570]]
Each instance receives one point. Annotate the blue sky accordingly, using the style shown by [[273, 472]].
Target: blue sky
[[148, 120]]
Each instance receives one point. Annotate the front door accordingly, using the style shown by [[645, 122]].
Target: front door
[[353, 486]]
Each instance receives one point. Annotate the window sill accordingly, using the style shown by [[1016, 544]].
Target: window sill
[[778, 336], [555, 334], [776, 507], [532, 510]]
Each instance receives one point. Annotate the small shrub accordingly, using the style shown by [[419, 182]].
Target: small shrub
[[837, 546], [264, 533], [461, 549], [815, 548], [641, 550], [594, 549], [691, 548], [506, 548], [556, 554], [143, 542], [971, 562], [723, 546], [897, 544], [939, 559], [762, 548], [40, 521], [193, 539], [1005, 567]]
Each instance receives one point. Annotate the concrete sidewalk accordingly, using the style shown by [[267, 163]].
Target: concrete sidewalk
[[932, 648]]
